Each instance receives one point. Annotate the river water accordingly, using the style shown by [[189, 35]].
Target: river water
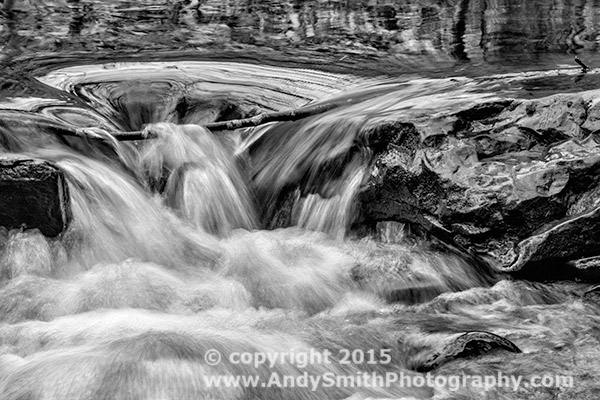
[[168, 258]]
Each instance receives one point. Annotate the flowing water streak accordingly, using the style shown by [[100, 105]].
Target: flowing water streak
[[115, 219], [203, 183], [333, 215]]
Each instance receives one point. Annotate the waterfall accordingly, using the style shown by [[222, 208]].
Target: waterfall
[[168, 256]]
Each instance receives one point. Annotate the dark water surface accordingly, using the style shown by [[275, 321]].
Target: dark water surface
[[476, 36], [167, 258]]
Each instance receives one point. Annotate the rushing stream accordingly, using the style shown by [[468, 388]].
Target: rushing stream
[[165, 260], [195, 244]]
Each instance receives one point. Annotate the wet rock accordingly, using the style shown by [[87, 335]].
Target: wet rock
[[559, 115], [281, 213], [470, 344], [492, 144], [516, 182], [592, 122], [397, 174], [33, 194], [586, 263], [564, 240]]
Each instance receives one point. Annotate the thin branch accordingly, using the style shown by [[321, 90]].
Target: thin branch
[[291, 115]]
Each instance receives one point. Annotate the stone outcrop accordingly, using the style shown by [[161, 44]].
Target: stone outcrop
[[33, 194], [517, 182]]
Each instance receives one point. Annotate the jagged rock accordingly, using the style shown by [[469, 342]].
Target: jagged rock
[[592, 122], [470, 344], [561, 115], [514, 181], [33, 194], [571, 238]]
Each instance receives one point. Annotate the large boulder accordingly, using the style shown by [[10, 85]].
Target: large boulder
[[516, 182], [33, 194]]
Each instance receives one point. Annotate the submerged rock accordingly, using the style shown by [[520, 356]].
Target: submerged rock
[[33, 194], [517, 182], [470, 344]]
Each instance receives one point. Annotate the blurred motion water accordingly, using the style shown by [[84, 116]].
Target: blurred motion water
[[169, 254]]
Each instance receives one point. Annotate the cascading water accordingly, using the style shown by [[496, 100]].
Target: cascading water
[[333, 215], [202, 180], [165, 260]]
